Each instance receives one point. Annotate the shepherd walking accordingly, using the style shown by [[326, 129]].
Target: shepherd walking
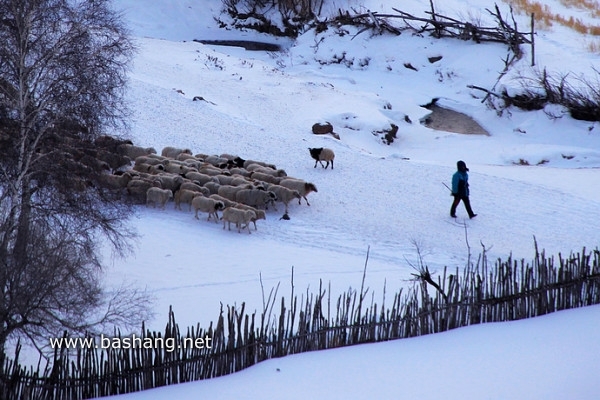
[[460, 189]]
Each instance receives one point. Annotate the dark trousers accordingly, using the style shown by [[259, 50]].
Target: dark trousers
[[466, 202]]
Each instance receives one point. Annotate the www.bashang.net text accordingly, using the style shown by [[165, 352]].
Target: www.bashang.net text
[[131, 342]]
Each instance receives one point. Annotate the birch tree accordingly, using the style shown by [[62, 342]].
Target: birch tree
[[63, 68]]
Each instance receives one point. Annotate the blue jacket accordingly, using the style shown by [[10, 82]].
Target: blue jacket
[[460, 183]]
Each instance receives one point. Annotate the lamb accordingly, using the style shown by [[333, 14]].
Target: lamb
[[241, 218], [260, 214], [173, 152], [255, 197], [285, 195], [208, 205], [303, 187], [185, 196], [320, 154], [158, 196]]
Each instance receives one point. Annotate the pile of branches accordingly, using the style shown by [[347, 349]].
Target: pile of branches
[[582, 99]]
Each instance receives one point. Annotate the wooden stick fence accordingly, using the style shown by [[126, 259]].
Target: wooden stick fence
[[509, 290]]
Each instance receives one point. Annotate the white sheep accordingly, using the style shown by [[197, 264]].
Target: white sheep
[[194, 188], [117, 181], [230, 192], [149, 160], [260, 214], [149, 169], [133, 152], [200, 177], [320, 154], [255, 197], [158, 196], [213, 187], [261, 176], [285, 195], [207, 205], [303, 187], [173, 152], [241, 218], [239, 180], [170, 181], [185, 196], [262, 163], [239, 171], [280, 173], [217, 161], [137, 188]]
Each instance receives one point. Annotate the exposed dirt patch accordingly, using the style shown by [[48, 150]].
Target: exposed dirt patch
[[444, 119]]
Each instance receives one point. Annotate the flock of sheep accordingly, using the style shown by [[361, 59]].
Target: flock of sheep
[[240, 189]]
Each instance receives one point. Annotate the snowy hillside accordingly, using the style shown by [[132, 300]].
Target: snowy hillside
[[390, 197]]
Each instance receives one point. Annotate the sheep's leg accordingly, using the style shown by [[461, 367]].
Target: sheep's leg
[[307, 203], [316, 164], [196, 214]]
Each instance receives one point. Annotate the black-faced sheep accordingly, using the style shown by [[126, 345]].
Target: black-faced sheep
[[303, 187], [260, 214], [320, 154], [173, 152], [255, 197], [149, 169], [226, 202], [207, 205], [185, 196], [158, 197], [241, 218]]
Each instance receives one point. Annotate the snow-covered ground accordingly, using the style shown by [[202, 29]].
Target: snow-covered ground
[[390, 198]]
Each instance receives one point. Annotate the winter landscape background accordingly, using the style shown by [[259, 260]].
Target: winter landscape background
[[389, 198]]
